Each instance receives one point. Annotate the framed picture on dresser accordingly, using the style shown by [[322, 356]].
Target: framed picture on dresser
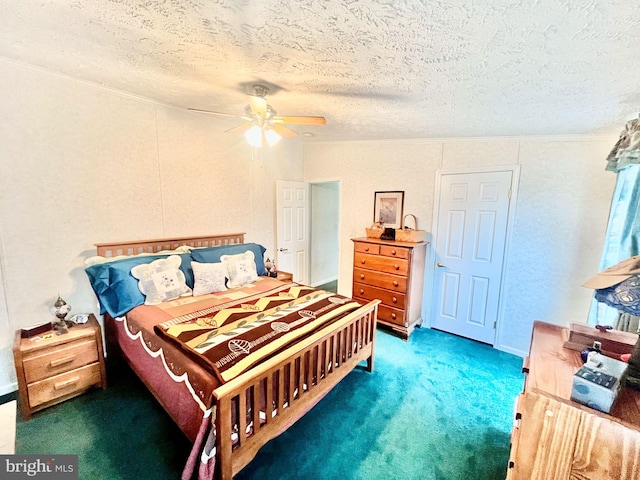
[[387, 208]]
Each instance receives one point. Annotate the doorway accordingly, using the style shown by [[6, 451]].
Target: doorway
[[307, 233], [325, 240], [471, 221]]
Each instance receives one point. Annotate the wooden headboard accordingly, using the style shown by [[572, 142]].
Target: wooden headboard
[[134, 247]]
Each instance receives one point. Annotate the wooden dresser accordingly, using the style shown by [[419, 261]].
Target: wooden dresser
[[54, 369], [554, 438], [392, 272]]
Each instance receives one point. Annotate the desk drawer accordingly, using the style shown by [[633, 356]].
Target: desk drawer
[[397, 266], [59, 360], [64, 384], [382, 280], [393, 299]]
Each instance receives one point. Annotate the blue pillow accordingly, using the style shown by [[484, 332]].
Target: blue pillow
[[213, 254], [117, 290]]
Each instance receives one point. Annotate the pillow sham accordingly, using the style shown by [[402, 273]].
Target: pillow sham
[[117, 290], [208, 278], [214, 254], [161, 280], [241, 268]]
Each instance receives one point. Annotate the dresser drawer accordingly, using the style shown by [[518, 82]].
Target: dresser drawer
[[382, 280], [391, 315], [396, 266], [367, 248], [393, 299], [64, 384], [49, 362], [396, 252]]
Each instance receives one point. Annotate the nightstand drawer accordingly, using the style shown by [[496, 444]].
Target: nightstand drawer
[[393, 299], [54, 361], [397, 266], [64, 384], [383, 280]]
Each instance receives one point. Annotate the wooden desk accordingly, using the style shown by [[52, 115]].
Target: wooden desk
[[555, 438]]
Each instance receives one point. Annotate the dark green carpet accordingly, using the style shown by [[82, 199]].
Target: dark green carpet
[[436, 407]]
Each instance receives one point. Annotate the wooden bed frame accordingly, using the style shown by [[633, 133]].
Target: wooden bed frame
[[291, 383]]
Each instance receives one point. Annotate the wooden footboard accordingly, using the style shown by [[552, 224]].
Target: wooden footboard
[[274, 395]]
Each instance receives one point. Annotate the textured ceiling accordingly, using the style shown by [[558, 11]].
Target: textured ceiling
[[373, 68]]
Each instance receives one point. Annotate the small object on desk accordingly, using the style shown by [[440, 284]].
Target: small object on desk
[[598, 382], [597, 348], [35, 330]]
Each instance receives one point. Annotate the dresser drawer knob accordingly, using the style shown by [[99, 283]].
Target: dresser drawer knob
[[361, 291], [393, 252], [362, 261], [62, 361], [395, 300], [395, 283], [397, 267], [393, 315], [366, 249], [66, 383], [362, 276]]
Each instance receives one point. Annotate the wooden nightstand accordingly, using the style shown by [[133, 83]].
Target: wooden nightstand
[[55, 369], [285, 276]]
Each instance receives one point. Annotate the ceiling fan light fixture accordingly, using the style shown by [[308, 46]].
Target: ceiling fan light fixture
[[254, 136], [272, 136]]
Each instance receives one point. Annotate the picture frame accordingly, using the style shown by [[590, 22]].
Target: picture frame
[[388, 208]]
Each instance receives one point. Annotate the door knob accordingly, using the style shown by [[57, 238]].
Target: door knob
[[440, 265], [283, 249]]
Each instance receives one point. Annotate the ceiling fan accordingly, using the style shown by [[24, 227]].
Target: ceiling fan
[[263, 125]]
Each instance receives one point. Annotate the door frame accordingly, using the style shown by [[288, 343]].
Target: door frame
[[428, 310]]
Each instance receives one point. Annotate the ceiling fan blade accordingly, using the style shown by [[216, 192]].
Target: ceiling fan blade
[[283, 131], [240, 128], [210, 112], [258, 105], [300, 120]]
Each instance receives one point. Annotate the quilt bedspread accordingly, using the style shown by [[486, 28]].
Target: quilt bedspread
[[228, 338]]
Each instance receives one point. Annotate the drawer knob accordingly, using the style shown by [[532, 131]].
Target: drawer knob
[[397, 267], [362, 276], [361, 291], [393, 315], [395, 300], [66, 383], [395, 283], [62, 361], [362, 261], [393, 252], [366, 249]]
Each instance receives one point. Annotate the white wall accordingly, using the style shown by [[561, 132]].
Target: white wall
[[81, 164], [560, 221], [325, 213]]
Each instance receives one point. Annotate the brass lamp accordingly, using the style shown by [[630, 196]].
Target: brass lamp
[[60, 309]]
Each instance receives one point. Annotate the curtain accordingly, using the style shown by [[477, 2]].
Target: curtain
[[622, 239]]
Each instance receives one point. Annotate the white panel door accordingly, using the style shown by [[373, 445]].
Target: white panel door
[[292, 242], [470, 221]]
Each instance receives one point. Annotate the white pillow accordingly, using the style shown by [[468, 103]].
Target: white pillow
[[208, 278], [161, 280], [241, 268]]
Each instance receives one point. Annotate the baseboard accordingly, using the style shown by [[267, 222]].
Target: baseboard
[[322, 282], [8, 388]]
